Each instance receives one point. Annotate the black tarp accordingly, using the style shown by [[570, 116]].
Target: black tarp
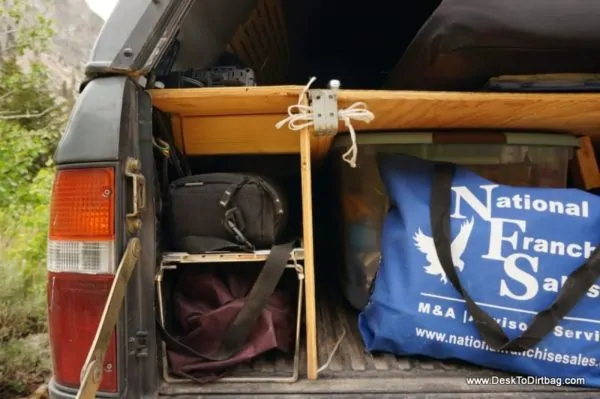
[[466, 42]]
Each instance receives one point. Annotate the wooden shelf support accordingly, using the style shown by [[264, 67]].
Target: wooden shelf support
[[312, 364], [584, 166]]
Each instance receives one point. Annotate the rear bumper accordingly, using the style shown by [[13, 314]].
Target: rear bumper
[[436, 387], [555, 395], [57, 391], [413, 388]]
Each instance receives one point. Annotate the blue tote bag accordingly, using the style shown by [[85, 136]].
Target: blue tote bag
[[503, 277]]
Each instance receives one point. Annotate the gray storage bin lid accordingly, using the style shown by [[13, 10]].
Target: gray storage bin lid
[[426, 138]]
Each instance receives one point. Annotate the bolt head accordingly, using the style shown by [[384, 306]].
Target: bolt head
[[334, 84]]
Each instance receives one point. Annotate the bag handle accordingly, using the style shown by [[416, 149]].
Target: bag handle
[[260, 182], [577, 284], [233, 219], [239, 330]]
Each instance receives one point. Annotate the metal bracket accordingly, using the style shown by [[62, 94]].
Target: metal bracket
[[139, 344], [91, 372], [325, 111], [133, 170]]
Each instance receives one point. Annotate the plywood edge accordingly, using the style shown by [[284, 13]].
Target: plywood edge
[[214, 101], [444, 110], [350, 96], [396, 110]]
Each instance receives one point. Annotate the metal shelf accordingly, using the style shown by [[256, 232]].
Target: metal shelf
[[169, 263], [171, 258]]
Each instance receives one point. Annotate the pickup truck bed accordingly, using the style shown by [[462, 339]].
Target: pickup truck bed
[[354, 373]]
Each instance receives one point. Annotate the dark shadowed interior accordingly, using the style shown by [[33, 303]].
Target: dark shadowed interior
[[354, 41]]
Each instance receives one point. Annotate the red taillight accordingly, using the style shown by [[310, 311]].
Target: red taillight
[[75, 305], [81, 264]]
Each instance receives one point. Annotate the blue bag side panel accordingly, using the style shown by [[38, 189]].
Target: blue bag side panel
[[513, 248]]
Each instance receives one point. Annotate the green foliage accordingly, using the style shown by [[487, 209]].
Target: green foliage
[[29, 133], [23, 78], [24, 232], [23, 364], [22, 311], [31, 119], [23, 154], [26, 36]]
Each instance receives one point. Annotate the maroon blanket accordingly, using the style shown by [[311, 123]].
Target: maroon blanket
[[205, 304]]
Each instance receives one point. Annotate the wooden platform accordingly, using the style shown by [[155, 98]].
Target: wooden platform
[[242, 120], [213, 121]]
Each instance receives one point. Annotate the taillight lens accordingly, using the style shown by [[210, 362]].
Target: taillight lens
[[81, 266]]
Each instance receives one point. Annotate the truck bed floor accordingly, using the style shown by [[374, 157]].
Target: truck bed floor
[[352, 372]]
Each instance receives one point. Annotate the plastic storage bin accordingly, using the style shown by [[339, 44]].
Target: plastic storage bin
[[518, 159]]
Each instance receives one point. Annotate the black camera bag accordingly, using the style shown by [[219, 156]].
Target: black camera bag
[[224, 212]]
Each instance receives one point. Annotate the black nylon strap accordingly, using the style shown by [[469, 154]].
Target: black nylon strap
[[256, 301], [277, 204], [232, 190], [577, 284], [178, 160], [240, 329], [232, 217]]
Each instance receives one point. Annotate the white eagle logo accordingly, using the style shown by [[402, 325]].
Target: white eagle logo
[[426, 245]]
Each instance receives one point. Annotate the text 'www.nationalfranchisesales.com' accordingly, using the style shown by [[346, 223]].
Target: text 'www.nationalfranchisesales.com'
[[524, 380]]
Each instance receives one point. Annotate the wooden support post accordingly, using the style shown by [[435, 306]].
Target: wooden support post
[[309, 267], [584, 167]]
